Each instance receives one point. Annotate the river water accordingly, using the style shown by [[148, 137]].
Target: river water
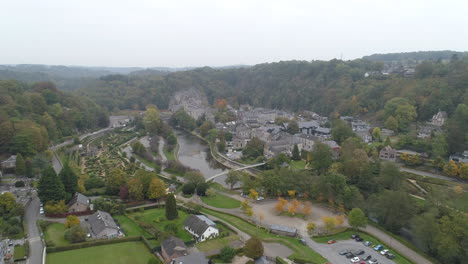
[[194, 153]]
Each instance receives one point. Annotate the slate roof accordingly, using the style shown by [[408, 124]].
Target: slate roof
[[101, 220], [80, 198], [174, 245], [194, 258], [284, 228], [197, 225]]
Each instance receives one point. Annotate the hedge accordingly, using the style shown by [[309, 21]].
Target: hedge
[[87, 212], [302, 261], [93, 243], [280, 261]]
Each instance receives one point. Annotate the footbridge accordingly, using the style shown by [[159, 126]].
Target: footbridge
[[237, 169]]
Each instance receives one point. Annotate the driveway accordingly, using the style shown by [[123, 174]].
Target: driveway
[[432, 175], [35, 244]]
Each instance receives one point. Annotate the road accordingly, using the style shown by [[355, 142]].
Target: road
[[432, 175], [36, 247]]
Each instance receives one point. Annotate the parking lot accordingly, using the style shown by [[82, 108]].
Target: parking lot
[[351, 245]]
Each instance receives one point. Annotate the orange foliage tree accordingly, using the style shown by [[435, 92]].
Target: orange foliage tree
[[279, 207], [306, 208]]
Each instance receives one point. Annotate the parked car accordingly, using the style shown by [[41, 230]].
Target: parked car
[[390, 256], [367, 244], [333, 241], [344, 252], [359, 252], [359, 239], [354, 236], [384, 252], [349, 255], [366, 257], [378, 247], [302, 241], [41, 211], [355, 260], [374, 261]]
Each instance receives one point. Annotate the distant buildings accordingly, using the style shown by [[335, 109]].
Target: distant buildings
[[10, 163], [388, 153], [439, 118]]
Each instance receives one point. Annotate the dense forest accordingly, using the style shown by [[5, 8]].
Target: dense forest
[[416, 56], [33, 115], [323, 87]]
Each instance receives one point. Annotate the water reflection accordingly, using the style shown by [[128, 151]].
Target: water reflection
[[195, 154]]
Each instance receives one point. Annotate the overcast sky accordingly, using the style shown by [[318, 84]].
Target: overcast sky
[[214, 33]]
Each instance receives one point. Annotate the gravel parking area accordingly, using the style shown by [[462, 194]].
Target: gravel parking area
[[352, 245]]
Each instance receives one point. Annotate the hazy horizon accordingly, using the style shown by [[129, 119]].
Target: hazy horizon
[[178, 34]]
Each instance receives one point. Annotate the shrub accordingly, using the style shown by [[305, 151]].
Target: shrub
[[19, 184], [171, 228], [188, 188], [227, 253], [75, 234]]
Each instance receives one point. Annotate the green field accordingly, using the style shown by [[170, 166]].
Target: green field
[[131, 228], [217, 243], [170, 155], [347, 235], [157, 218], [300, 251], [297, 164], [121, 253], [221, 201], [19, 252], [55, 233]]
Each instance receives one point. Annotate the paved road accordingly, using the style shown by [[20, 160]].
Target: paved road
[[432, 175], [35, 244]]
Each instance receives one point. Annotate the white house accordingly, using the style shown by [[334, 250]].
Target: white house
[[201, 227]]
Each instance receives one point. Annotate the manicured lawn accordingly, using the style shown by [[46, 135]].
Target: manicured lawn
[[131, 228], [56, 234], [19, 252], [221, 201], [157, 218], [221, 188], [297, 164], [347, 235], [300, 251], [217, 243], [121, 253]]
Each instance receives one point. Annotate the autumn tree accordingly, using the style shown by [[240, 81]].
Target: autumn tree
[[253, 248], [115, 180], [329, 222], [451, 169], [279, 206], [72, 220], [135, 189], [157, 189], [152, 120], [306, 208], [376, 134], [311, 227], [464, 171], [340, 219], [293, 206], [253, 194]]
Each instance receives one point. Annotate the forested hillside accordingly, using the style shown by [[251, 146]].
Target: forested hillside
[[33, 115], [416, 56], [324, 87]]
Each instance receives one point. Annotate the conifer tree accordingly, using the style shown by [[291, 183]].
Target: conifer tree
[[20, 165], [50, 186], [171, 208]]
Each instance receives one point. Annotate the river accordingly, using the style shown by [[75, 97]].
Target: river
[[194, 153]]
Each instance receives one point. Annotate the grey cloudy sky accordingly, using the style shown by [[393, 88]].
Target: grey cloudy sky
[[196, 33]]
